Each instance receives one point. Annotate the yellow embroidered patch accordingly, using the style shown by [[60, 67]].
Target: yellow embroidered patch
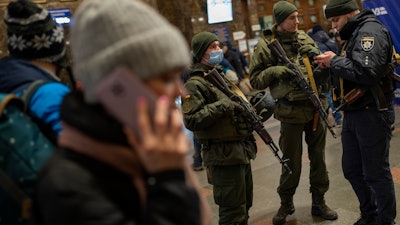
[[367, 43]]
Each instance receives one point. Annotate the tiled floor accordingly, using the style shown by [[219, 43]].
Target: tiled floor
[[340, 197]]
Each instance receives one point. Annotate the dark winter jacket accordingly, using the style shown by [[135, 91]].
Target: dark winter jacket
[[216, 122], [80, 188], [367, 53]]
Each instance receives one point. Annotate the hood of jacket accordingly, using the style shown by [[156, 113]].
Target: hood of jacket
[[15, 73]]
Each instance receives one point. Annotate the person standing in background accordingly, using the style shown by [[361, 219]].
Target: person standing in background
[[225, 134], [234, 60], [242, 58], [37, 52], [37, 55], [294, 110], [364, 63]]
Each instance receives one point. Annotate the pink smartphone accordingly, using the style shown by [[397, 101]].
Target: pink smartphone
[[119, 94]]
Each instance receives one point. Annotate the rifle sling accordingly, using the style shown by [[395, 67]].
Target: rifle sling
[[307, 63], [237, 90], [310, 73]]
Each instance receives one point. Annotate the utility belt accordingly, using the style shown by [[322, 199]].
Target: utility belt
[[225, 140], [296, 102], [382, 93]]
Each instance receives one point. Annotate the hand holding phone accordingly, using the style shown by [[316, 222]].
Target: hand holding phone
[[119, 94], [154, 131]]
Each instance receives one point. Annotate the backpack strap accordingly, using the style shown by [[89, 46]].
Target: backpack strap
[[17, 194], [30, 90], [6, 99], [27, 94]]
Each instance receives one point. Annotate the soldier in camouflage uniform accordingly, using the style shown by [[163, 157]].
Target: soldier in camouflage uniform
[[226, 136], [293, 109]]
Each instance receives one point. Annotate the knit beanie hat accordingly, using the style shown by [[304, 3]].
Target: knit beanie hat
[[109, 33], [200, 43], [33, 34], [340, 7], [282, 10]]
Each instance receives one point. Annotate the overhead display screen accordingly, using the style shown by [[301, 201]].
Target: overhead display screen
[[219, 11]]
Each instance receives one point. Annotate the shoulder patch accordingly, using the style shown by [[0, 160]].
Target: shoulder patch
[[367, 43], [187, 104]]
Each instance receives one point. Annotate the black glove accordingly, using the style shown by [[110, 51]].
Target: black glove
[[230, 105], [279, 72], [237, 107]]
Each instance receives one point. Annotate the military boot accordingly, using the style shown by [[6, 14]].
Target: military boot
[[287, 208], [319, 208]]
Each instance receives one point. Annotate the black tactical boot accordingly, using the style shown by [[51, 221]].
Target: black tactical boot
[[287, 208], [367, 220], [319, 208]]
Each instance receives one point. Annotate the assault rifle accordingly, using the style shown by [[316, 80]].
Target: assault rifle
[[358, 92], [277, 49], [218, 81], [350, 97]]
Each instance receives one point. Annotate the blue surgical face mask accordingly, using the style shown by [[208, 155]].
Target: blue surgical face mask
[[216, 57]]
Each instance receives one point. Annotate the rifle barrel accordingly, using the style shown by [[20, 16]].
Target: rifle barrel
[[216, 79], [278, 50]]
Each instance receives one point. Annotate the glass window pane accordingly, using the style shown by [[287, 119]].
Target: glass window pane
[[313, 19], [300, 19]]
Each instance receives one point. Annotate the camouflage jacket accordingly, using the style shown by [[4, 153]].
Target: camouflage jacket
[[225, 134]]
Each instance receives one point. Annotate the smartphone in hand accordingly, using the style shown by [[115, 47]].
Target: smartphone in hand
[[119, 93]]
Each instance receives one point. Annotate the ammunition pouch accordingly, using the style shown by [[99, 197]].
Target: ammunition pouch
[[228, 128]]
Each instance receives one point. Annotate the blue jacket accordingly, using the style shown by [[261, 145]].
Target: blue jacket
[[16, 74], [324, 42]]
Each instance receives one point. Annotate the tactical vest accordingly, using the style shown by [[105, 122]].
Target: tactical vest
[[290, 90], [227, 128]]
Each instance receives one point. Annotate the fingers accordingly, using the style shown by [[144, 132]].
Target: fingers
[[161, 144], [131, 136], [161, 115], [176, 128], [324, 60], [143, 117]]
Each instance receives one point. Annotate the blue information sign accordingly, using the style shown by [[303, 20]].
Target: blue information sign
[[61, 15]]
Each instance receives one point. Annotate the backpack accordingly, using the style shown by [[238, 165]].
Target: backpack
[[23, 150]]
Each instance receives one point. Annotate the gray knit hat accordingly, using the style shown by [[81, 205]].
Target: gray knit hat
[[340, 7], [32, 34], [110, 33], [282, 10], [200, 43]]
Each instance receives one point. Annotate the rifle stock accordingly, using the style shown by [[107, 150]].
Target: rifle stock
[[216, 79], [277, 49], [350, 97]]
